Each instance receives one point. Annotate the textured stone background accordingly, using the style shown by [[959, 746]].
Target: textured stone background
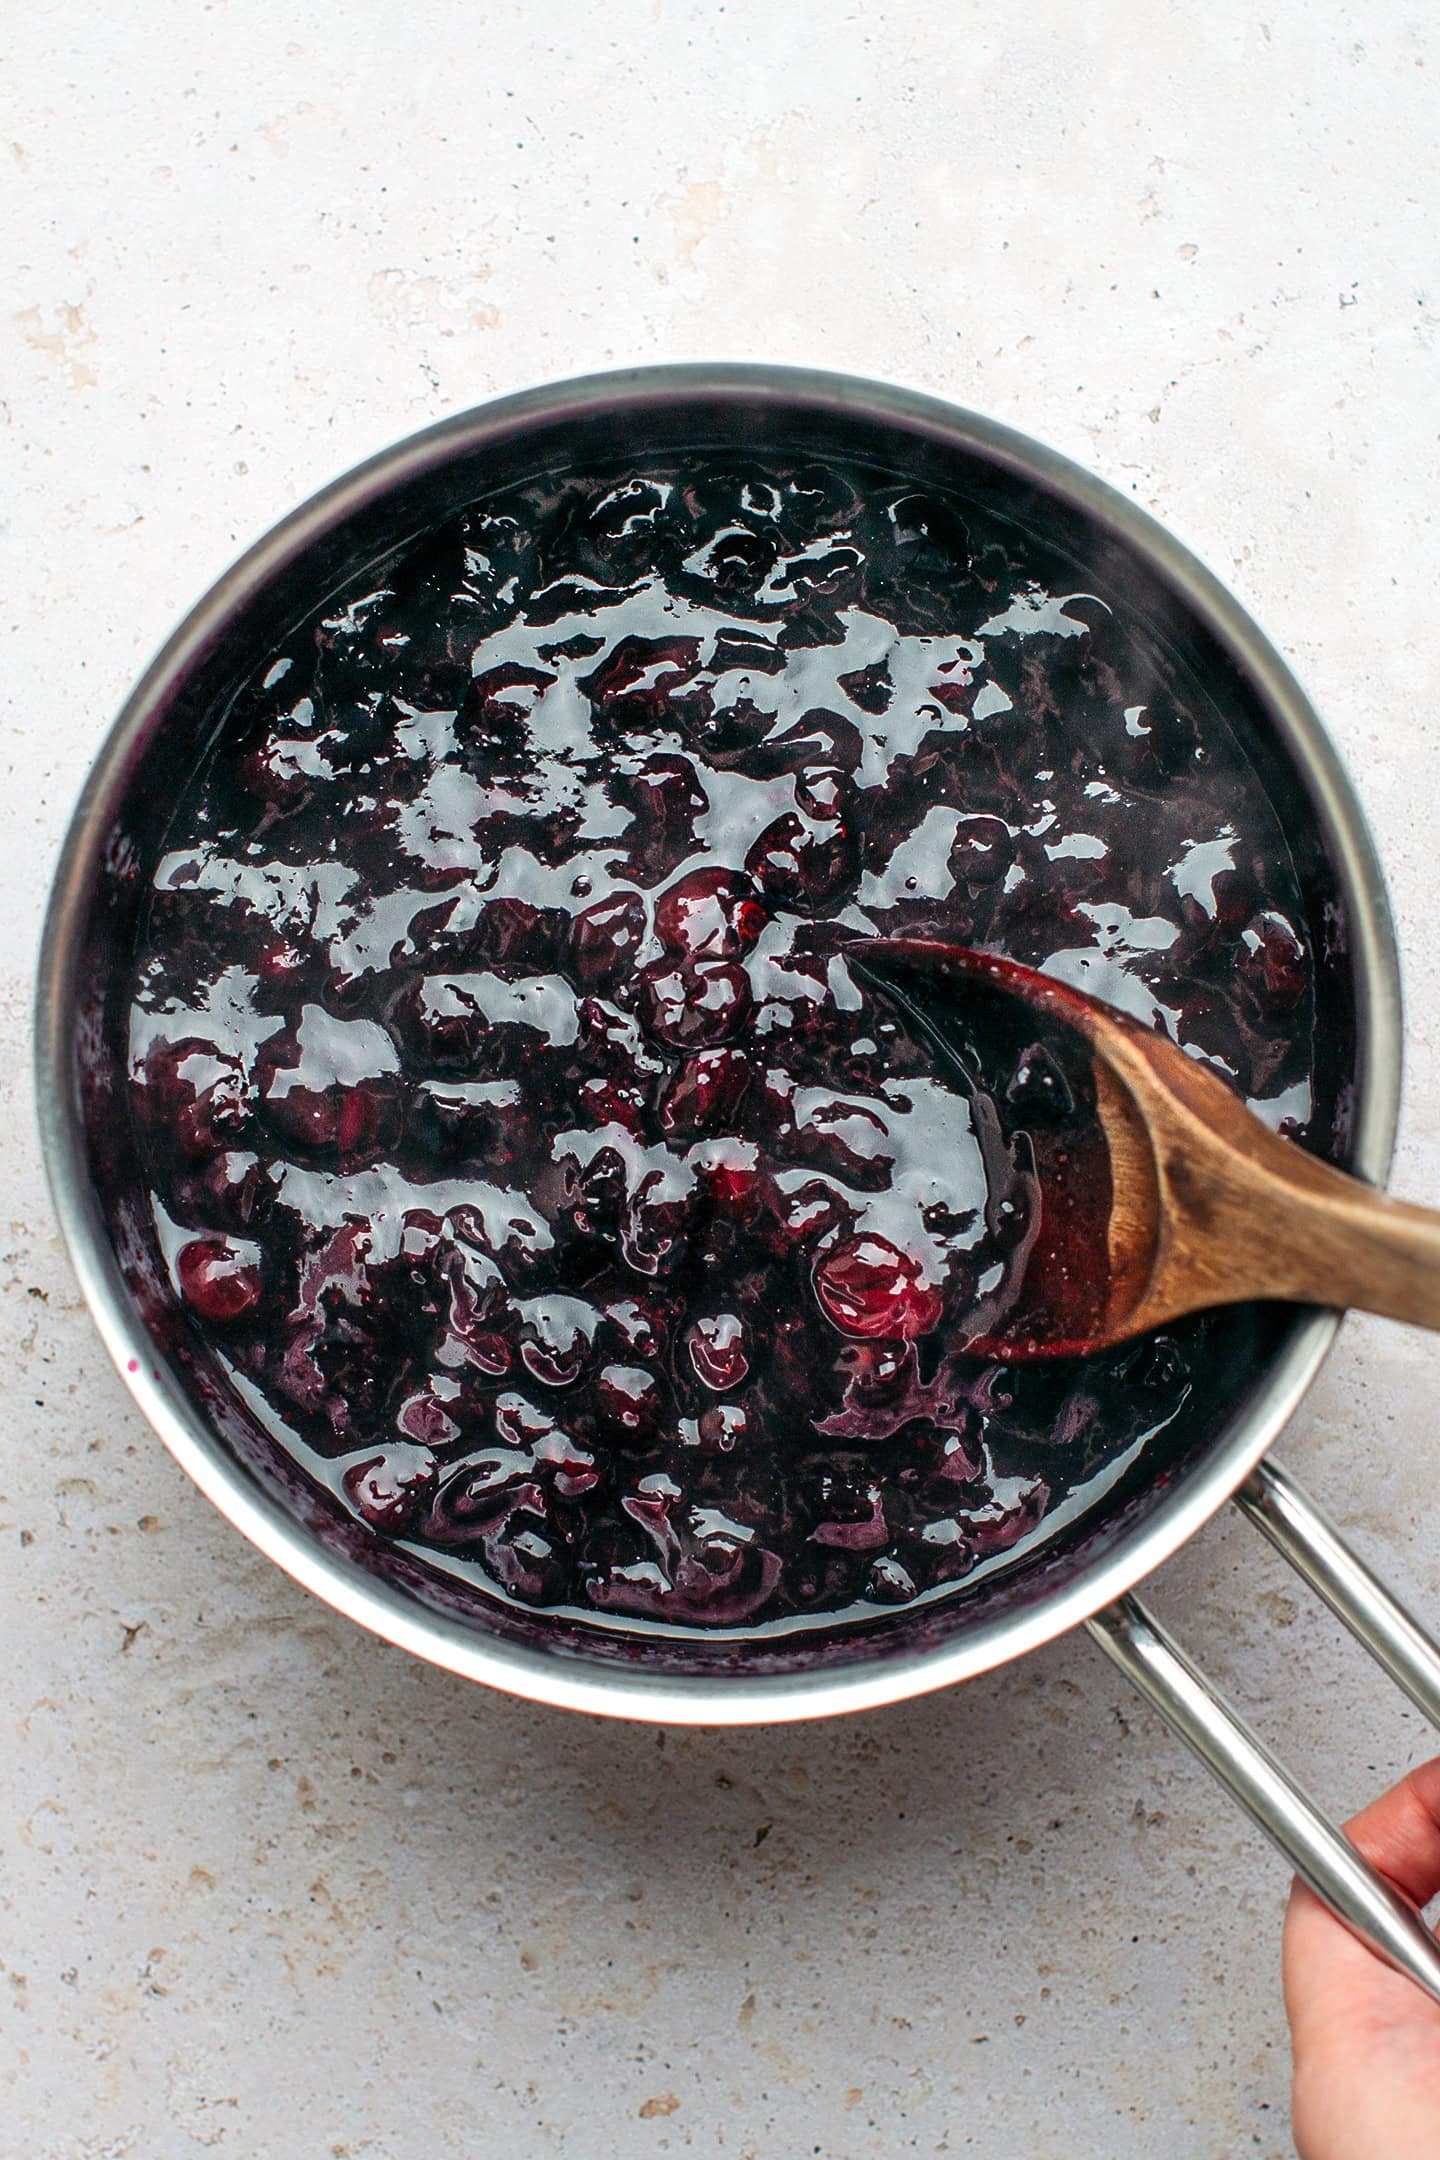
[[269, 1887]]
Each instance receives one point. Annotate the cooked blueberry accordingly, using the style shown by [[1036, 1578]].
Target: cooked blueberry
[[664, 796], [555, 1337], [628, 1404], [193, 1094], [737, 560], [641, 677], [718, 1350], [216, 1282], [705, 1094], [622, 525], [237, 1189], [889, 1583], [492, 719], [655, 1227], [804, 863], [870, 687], [350, 1122], [427, 1416], [868, 1287], [723, 1426], [605, 938], [447, 1023], [329, 1086], [515, 931], [691, 1003], [709, 915], [526, 1559], [824, 792], [615, 1102], [388, 1490], [981, 851], [930, 537]]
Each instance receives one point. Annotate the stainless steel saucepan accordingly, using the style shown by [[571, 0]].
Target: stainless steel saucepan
[[1088, 1572]]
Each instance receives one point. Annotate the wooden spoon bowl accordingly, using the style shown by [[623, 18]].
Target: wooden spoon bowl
[[1174, 1196]]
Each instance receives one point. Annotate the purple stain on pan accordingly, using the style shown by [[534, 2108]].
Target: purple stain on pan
[[519, 1132]]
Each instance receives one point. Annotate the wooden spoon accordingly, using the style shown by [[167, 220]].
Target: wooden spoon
[[1171, 1196]]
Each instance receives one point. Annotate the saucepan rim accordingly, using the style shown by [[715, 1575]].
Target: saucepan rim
[[569, 1681]]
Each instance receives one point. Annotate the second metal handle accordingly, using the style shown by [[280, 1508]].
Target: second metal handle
[[1295, 1526], [1316, 1849]]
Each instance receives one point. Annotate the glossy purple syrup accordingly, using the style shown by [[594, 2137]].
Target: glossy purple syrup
[[520, 1135]]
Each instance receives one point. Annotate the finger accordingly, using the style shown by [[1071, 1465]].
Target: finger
[[1400, 1833], [1337, 1992]]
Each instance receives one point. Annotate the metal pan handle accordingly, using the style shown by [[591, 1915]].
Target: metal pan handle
[[1271, 1499], [1317, 1851]]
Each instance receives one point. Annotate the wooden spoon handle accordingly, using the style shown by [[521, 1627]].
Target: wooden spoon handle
[[1339, 1242], [1248, 1215], [1244, 1214]]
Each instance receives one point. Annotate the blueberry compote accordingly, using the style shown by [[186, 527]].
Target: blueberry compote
[[520, 1136]]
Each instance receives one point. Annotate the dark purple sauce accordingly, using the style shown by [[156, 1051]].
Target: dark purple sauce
[[550, 1183]]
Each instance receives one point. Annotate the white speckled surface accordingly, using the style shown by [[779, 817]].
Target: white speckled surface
[[269, 1888]]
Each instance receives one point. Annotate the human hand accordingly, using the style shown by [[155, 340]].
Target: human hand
[[1366, 2040]]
